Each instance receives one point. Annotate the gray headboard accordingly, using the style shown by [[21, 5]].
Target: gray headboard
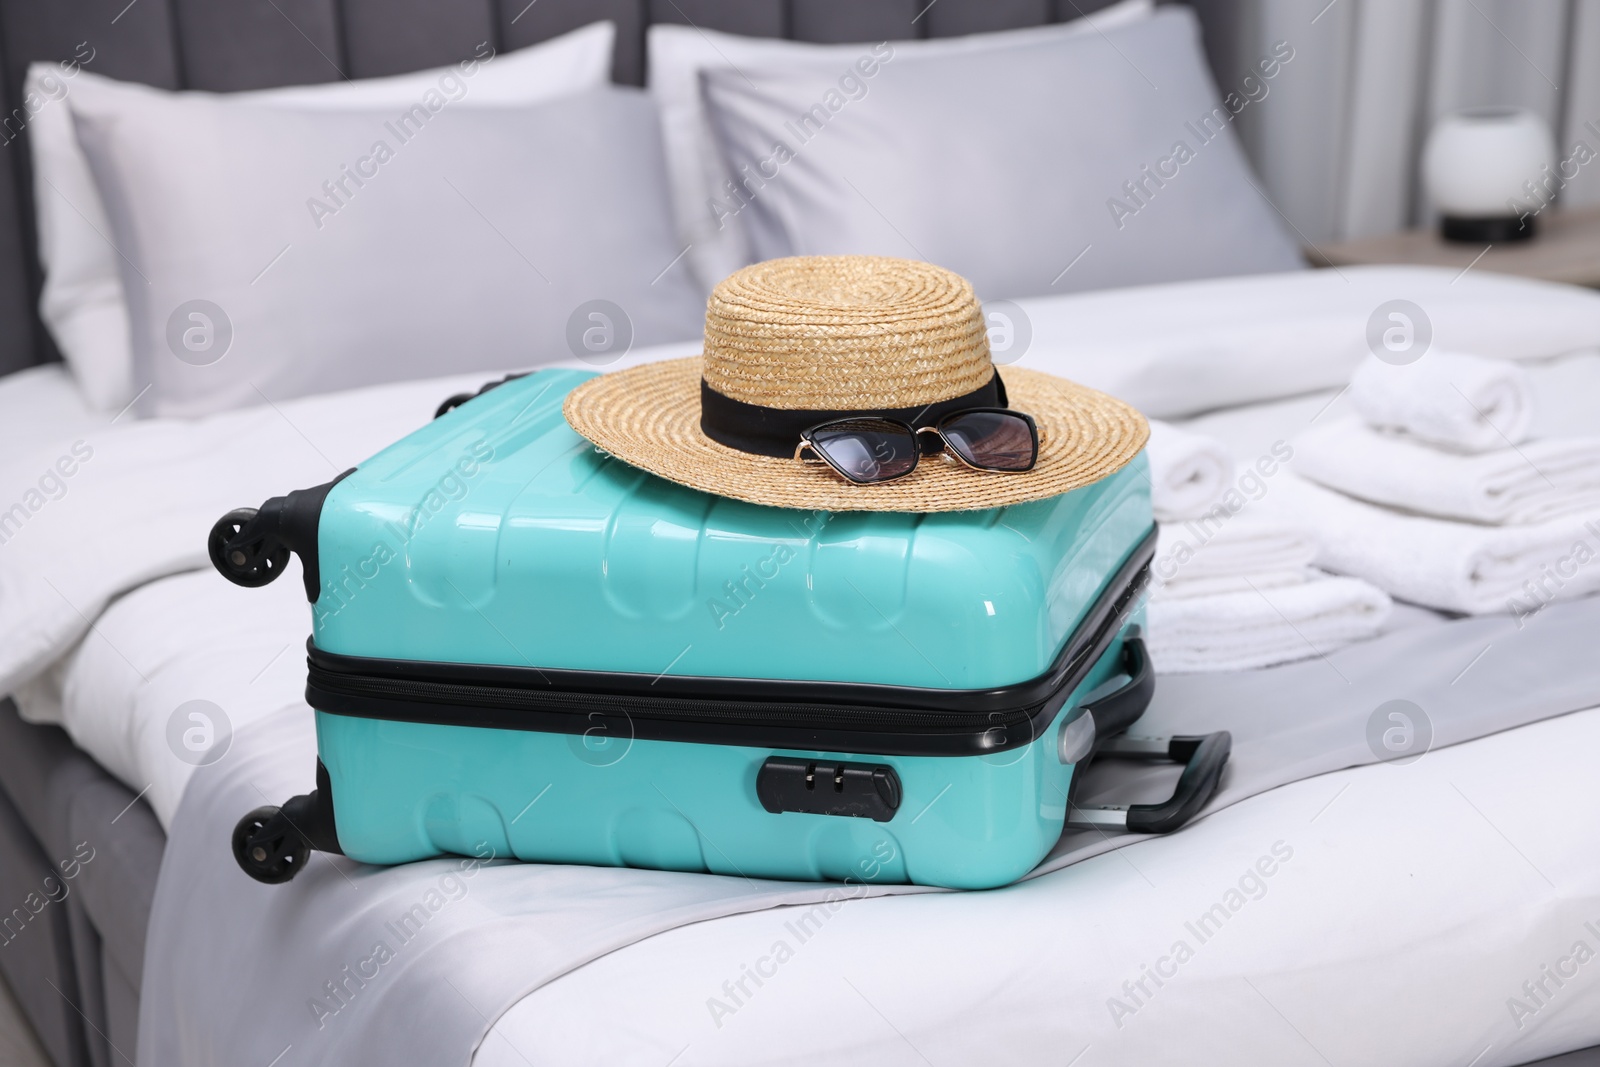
[[252, 44]]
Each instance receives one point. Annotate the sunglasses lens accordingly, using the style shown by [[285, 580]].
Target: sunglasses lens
[[992, 440], [867, 450]]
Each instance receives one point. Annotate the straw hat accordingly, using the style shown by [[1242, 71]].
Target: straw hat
[[829, 337]]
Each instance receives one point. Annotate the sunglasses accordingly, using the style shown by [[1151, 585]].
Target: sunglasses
[[868, 449]]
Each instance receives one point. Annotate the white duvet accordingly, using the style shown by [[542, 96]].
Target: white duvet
[[160, 484], [1172, 350], [127, 629]]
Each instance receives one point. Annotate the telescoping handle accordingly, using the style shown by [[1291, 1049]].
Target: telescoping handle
[[1203, 755]]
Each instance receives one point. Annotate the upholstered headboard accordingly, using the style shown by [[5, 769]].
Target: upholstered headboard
[[229, 45]]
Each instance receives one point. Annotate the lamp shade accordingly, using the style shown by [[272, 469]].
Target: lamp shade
[[1475, 167]]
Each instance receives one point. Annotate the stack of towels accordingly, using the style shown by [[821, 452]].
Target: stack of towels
[[1234, 585], [1435, 494]]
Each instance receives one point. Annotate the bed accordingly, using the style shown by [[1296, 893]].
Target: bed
[[1407, 884], [188, 633]]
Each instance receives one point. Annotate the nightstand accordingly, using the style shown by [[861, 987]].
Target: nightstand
[[1566, 249]]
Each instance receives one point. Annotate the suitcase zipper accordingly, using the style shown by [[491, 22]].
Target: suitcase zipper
[[814, 715], [750, 712]]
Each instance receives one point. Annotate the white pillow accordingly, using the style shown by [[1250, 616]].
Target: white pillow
[[82, 301], [677, 55], [303, 251], [1017, 168]]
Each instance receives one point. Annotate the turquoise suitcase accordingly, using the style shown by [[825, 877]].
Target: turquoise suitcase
[[523, 647]]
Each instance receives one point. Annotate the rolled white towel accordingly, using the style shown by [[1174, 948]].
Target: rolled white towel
[[1452, 566], [1261, 627], [1189, 472], [1244, 544], [1446, 398], [1541, 480]]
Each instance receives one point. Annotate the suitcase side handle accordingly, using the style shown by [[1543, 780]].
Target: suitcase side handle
[[1204, 757], [1121, 708], [451, 403]]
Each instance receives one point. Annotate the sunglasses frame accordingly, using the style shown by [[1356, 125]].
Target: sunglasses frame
[[945, 447]]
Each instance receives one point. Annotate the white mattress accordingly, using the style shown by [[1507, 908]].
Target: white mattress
[[1417, 901], [1399, 865]]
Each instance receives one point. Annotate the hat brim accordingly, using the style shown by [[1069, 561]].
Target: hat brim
[[649, 417]]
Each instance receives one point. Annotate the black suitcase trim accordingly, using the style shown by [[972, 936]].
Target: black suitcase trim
[[762, 713]]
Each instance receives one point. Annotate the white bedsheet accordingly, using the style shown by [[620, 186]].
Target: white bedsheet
[[1044, 961], [1029, 972], [1398, 867], [1438, 888], [1418, 900], [1395, 933]]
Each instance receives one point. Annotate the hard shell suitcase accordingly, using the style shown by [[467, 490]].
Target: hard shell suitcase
[[522, 646]]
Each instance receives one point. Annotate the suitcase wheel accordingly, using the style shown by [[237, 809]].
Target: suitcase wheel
[[249, 560], [267, 847]]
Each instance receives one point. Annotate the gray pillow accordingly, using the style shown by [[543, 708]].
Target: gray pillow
[[268, 252], [1004, 165]]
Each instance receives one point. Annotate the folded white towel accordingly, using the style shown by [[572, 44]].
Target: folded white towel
[[1211, 585], [1447, 398], [1188, 472], [1538, 481], [1453, 566], [1244, 544], [1260, 627]]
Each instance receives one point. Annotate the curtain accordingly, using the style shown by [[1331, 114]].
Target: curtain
[[1338, 141]]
